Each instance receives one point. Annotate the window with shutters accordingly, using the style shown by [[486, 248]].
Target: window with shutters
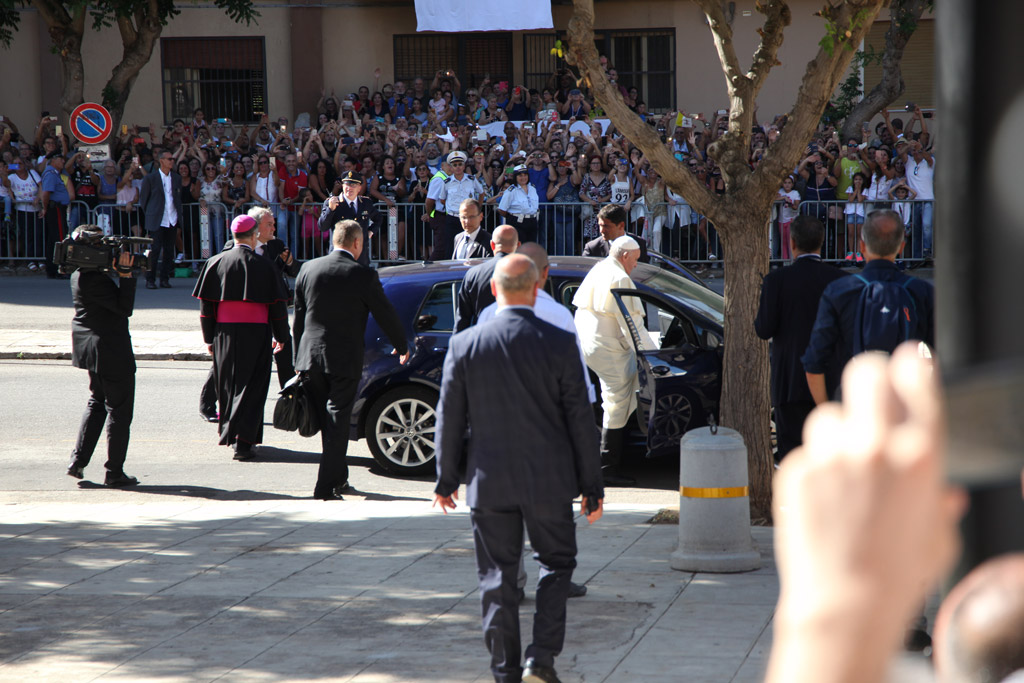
[[471, 56], [223, 76], [918, 65]]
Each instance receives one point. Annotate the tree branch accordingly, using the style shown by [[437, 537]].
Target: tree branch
[[820, 80], [127, 29], [905, 15], [54, 14], [777, 18], [583, 54], [722, 31]]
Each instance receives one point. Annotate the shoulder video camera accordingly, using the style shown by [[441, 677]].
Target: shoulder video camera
[[89, 249]]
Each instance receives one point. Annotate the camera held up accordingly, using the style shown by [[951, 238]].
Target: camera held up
[[88, 248]]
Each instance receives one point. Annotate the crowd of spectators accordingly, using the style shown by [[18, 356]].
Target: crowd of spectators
[[397, 135]]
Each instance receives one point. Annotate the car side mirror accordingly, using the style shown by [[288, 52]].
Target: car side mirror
[[425, 322], [710, 340]]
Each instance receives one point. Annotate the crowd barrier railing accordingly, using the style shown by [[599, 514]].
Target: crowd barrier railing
[[407, 233]]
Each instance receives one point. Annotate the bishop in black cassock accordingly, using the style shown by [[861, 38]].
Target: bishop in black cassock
[[243, 310]]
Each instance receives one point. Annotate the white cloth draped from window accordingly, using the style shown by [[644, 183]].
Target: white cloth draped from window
[[452, 16]]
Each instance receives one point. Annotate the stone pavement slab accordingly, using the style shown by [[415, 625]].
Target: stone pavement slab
[[362, 591]]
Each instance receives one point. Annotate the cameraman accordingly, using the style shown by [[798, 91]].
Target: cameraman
[[102, 345]]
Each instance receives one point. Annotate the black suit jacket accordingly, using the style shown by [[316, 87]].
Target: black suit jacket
[[151, 198], [479, 248], [334, 295], [789, 305], [366, 215], [543, 451], [600, 247], [100, 340], [475, 293]]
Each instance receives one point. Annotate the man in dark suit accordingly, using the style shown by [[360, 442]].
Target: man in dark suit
[[521, 465], [334, 294], [789, 304], [353, 205], [475, 293], [160, 201], [473, 241], [101, 344], [611, 220]]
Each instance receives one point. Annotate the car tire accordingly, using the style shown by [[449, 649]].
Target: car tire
[[400, 430]]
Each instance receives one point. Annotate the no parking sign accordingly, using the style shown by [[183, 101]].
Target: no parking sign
[[91, 123]]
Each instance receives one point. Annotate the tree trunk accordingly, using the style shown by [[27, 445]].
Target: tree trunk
[[138, 38], [902, 23], [745, 367]]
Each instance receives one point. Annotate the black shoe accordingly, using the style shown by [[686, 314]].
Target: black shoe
[[120, 481], [244, 451], [577, 590], [537, 673], [76, 471], [165, 284], [334, 493], [150, 285], [209, 417], [616, 479]]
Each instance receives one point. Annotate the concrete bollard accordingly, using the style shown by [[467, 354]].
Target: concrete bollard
[[714, 504]]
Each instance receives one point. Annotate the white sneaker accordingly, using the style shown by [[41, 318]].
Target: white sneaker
[[180, 258]]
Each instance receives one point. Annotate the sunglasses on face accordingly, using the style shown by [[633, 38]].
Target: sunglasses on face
[[263, 161]]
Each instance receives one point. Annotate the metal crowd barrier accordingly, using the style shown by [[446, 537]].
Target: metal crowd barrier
[[674, 229]]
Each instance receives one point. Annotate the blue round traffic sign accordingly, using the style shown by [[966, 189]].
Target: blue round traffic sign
[[91, 123]]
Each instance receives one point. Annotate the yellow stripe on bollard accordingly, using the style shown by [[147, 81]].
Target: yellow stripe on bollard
[[727, 492]]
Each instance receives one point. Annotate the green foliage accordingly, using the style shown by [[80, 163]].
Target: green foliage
[[104, 13], [850, 90], [835, 35]]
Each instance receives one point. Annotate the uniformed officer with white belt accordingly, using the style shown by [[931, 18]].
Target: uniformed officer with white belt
[[458, 187], [519, 205]]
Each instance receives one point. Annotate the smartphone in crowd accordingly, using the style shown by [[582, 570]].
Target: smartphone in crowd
[[124, 129], [135, 160], [481, 135], [59, 130], [13, 167], [283, 129], [222, 120]]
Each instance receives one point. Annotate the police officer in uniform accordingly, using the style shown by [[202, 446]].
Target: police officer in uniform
[[353, 205], [458, 187], [435, 216]]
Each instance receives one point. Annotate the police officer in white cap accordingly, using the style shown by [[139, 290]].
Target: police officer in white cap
[[519, 205], [458, 187]]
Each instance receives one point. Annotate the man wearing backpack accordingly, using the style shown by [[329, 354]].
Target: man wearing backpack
[[873, 311]]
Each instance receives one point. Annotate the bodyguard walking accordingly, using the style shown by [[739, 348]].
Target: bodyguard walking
[[524, 464], [334, 295]]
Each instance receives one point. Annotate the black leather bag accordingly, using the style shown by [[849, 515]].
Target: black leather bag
[[294, 411]]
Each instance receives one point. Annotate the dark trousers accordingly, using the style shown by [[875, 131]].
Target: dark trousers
[[113, 397], [527, 228], [498, 539], [445, 229], [161, 254], [333, 395], [55, 225], [789, 425]]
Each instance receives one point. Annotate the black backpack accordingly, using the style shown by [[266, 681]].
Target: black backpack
[[886, 316]]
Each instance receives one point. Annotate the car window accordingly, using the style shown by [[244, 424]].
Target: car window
[[666, 329], [440, 307], [568, 292], [705, 301]]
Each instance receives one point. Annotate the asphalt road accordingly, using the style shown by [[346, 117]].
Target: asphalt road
[[174, 453]]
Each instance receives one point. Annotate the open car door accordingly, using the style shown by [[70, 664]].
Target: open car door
[[679, 380]]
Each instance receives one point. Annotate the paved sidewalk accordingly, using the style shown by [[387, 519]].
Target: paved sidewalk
[[361, 590], [147, 344]]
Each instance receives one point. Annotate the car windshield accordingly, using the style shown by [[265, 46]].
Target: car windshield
[[706, 301]]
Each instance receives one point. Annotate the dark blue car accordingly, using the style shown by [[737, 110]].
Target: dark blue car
[[680, 383]]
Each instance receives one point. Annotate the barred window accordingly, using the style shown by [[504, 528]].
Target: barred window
[[643, 58], [223, 76], [470, 55]]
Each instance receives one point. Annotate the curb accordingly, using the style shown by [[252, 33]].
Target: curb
[[66, 355]]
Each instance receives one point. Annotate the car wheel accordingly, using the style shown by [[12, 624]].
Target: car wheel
[[674, 416], [400, 430]]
